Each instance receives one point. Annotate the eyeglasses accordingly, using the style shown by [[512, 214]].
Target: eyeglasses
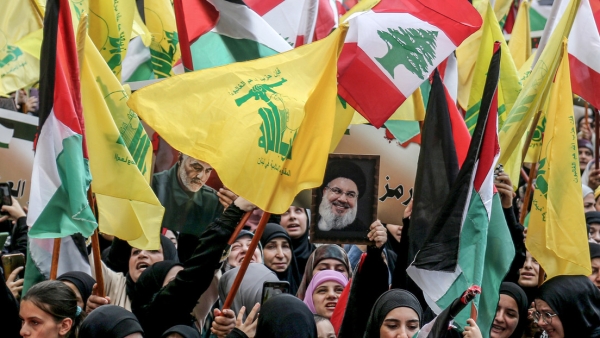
[[546, 316], [338, 192]]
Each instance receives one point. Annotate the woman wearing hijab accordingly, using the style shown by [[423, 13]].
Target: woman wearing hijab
[[568, 306], [181, 331], [277, 255], [395, 313], [111, 321], [81, 283], [119, 286], [511, 314], [325, 257], [295, 222], [250, 290], [324, 291], [529, 277]]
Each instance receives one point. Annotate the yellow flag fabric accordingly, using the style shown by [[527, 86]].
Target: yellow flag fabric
[[164, 49], [265, 125], [18, 69], [532, 97], [140, 29], [344, 114], [120, 157], [557, 236], [520, 40], [111, 22], [508, 86]]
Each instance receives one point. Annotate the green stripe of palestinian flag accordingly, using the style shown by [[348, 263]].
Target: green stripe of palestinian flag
[[239, 35], [138, 62]]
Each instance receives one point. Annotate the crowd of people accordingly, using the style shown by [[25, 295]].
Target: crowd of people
[[330, 290]]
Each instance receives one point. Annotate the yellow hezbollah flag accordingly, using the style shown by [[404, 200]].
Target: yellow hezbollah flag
[[164, 49], [120, 157], [111, 22], [508, 86], [532, 97], [18, 69], [520, 40], [557, 235], [265, 125]]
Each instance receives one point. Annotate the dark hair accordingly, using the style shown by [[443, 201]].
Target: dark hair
[[58, 300]]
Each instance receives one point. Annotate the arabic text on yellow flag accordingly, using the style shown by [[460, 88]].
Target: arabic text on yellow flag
[[119, 157], [18, 69], [534, 93], [164, 49], [265, 125], [111, 22], [508, 86], [557, 235], [520, 40]]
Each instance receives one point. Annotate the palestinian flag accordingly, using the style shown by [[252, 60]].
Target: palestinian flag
[[470, 244], [393, 47], [294, 20], [58, 206], [219, 32]]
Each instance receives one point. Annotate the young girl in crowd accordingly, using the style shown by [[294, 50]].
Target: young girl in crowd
[[511, 313], [295, 221], [325, 257], [397, 313], [49, 309], [324, 291]]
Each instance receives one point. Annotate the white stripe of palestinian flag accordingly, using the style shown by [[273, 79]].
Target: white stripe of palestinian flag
[[6, 135], [137, 65]]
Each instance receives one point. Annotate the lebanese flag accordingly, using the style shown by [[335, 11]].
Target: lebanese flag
[[294, 20], [584, 47], [219, 32], [392, 48]]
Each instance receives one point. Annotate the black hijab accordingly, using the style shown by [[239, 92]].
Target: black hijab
[[291, 274], [515, 292], [169, 254], [184, 331], [82, 281], [109, 321], [576, 301], [285, 316], [388, 301], [149, 283], [303, 247]]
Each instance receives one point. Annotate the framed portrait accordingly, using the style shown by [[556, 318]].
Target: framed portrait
[[345, 205]]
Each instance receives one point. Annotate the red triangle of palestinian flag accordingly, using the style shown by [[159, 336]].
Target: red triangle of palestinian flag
[[392, 48]]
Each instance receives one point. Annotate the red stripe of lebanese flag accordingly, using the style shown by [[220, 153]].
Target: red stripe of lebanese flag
[[392, 48]]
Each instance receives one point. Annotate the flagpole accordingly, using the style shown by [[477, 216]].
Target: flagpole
[[55, 256], [96, 250], [596, 137], [247, 259], [239, 227], [528, 192]]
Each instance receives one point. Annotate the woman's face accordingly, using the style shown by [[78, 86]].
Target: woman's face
[[554, 328], [507, 318], [594, 235], [595, 276], [77, 293], [401, 322], [294, 222], [278, 254], [395, 230], [528, 274], [331, 264], [589, 203], [142, 259], [325, 298], [37, 323], [239, 250]]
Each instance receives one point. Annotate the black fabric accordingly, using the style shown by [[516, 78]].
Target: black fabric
[[109, 321], [594, 250], [183, 330], [11, 322], [346, 169], [327, 251], [82, 281], [388, 301], [592, 217], [236, 333], [285, 316], [48, 64], [291, 274], [303, 248], [440, 249], [173, 303], [368, 284], [576, 301], [18, 237], [518, 239], [149, 283], [515, 292]]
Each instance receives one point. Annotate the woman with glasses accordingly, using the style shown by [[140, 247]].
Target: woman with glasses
[[568, 306]]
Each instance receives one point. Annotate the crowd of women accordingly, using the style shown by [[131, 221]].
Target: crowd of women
[[332, 290]]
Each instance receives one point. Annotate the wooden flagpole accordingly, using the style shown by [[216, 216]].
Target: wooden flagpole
[[596, 137], [239, 227], [55, 257], [96, 250], [247, 259], [528, 192]]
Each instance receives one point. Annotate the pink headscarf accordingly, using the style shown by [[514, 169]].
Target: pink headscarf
[[318, 279]]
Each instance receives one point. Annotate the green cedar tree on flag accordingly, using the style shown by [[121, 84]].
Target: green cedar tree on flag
[[470, 243]]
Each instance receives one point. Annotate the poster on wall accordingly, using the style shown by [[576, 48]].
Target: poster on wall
[[17, 132]]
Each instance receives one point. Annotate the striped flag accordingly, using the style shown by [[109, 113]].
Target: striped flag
[[219, 32], [469, 243], [58, 206], [392, 48]]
